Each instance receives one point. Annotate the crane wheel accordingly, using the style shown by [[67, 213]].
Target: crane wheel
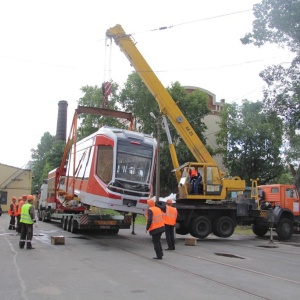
[[182, 230], [260, 231], [200, 227], [224, 227]]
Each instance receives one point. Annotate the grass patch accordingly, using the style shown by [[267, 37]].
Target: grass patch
[[243, 230]]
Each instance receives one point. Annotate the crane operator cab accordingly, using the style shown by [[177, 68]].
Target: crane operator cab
[[200, 180]]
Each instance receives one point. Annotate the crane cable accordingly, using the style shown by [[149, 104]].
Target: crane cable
[[106, 85]]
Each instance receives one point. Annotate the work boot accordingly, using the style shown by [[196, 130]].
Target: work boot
[[29, 246], [21, 245]]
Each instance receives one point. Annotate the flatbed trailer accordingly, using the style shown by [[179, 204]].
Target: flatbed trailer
[[74, 222]]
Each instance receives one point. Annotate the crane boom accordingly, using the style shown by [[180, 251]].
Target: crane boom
[[166, 103]]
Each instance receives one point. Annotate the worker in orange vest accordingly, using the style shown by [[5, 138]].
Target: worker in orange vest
[[21, 201], [155, 226], [12, 211], [170, 216]]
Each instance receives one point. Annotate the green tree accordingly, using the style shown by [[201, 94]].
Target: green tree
[[277, 22], [252, 140]]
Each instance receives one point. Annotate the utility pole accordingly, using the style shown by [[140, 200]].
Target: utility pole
[[158, 124], [158, 160]]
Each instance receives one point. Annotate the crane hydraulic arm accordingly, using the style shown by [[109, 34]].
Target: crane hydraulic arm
[[166, 103]]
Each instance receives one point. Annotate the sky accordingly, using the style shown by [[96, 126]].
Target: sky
[[50, 49]]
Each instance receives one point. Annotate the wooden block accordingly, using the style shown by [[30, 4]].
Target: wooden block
[[57, 240], [190, 242]]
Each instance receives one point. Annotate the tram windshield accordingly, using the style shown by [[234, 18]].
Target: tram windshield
[[134, 161]]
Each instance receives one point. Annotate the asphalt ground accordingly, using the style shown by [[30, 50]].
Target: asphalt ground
[[95, 266]]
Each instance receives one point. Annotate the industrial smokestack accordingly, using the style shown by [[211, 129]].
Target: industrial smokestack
[[61, 127]]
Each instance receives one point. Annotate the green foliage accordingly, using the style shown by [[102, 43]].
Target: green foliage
[[285, 178], [277, 22], [39, 160], [93, 97], [252, 139], [136, 98]]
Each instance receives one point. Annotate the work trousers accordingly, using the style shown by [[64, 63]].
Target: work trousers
[[157, 244], [169, 231], [26, 235], [12, 222], [18, 228]]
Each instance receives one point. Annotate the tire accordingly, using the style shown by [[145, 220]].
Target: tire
[[200, 227], [74, 226], [224, 227], [44, 216], [214, 229], [65, 224], [182, 230], [285, 229], [260, 231], [69, 225], [39, 214], [114, 231]]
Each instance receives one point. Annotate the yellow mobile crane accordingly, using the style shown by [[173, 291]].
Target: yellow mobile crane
[[206, 210]]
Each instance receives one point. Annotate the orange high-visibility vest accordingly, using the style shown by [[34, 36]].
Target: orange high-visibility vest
[[170, 216], [14, 211], [157, 218], [20, 204]]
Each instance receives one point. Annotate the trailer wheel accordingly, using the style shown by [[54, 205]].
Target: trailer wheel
[[200, 227], [74, 226], [260, 231], [44, 216], [65, 224], [285, 229], [114, 231], [69, 225], [224, 227]]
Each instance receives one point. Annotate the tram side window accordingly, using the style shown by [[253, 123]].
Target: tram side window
[[105, 163]]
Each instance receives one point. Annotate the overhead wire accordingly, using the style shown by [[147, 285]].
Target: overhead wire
[[190, 22]]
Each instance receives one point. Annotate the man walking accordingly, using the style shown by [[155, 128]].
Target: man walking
[[170, 216], [12, 211], [26, 221], [155, 226]]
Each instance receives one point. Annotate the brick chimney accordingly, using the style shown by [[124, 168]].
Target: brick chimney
[[61, 127]]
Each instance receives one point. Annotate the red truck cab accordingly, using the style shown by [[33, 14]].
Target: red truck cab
[[283, 195]]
